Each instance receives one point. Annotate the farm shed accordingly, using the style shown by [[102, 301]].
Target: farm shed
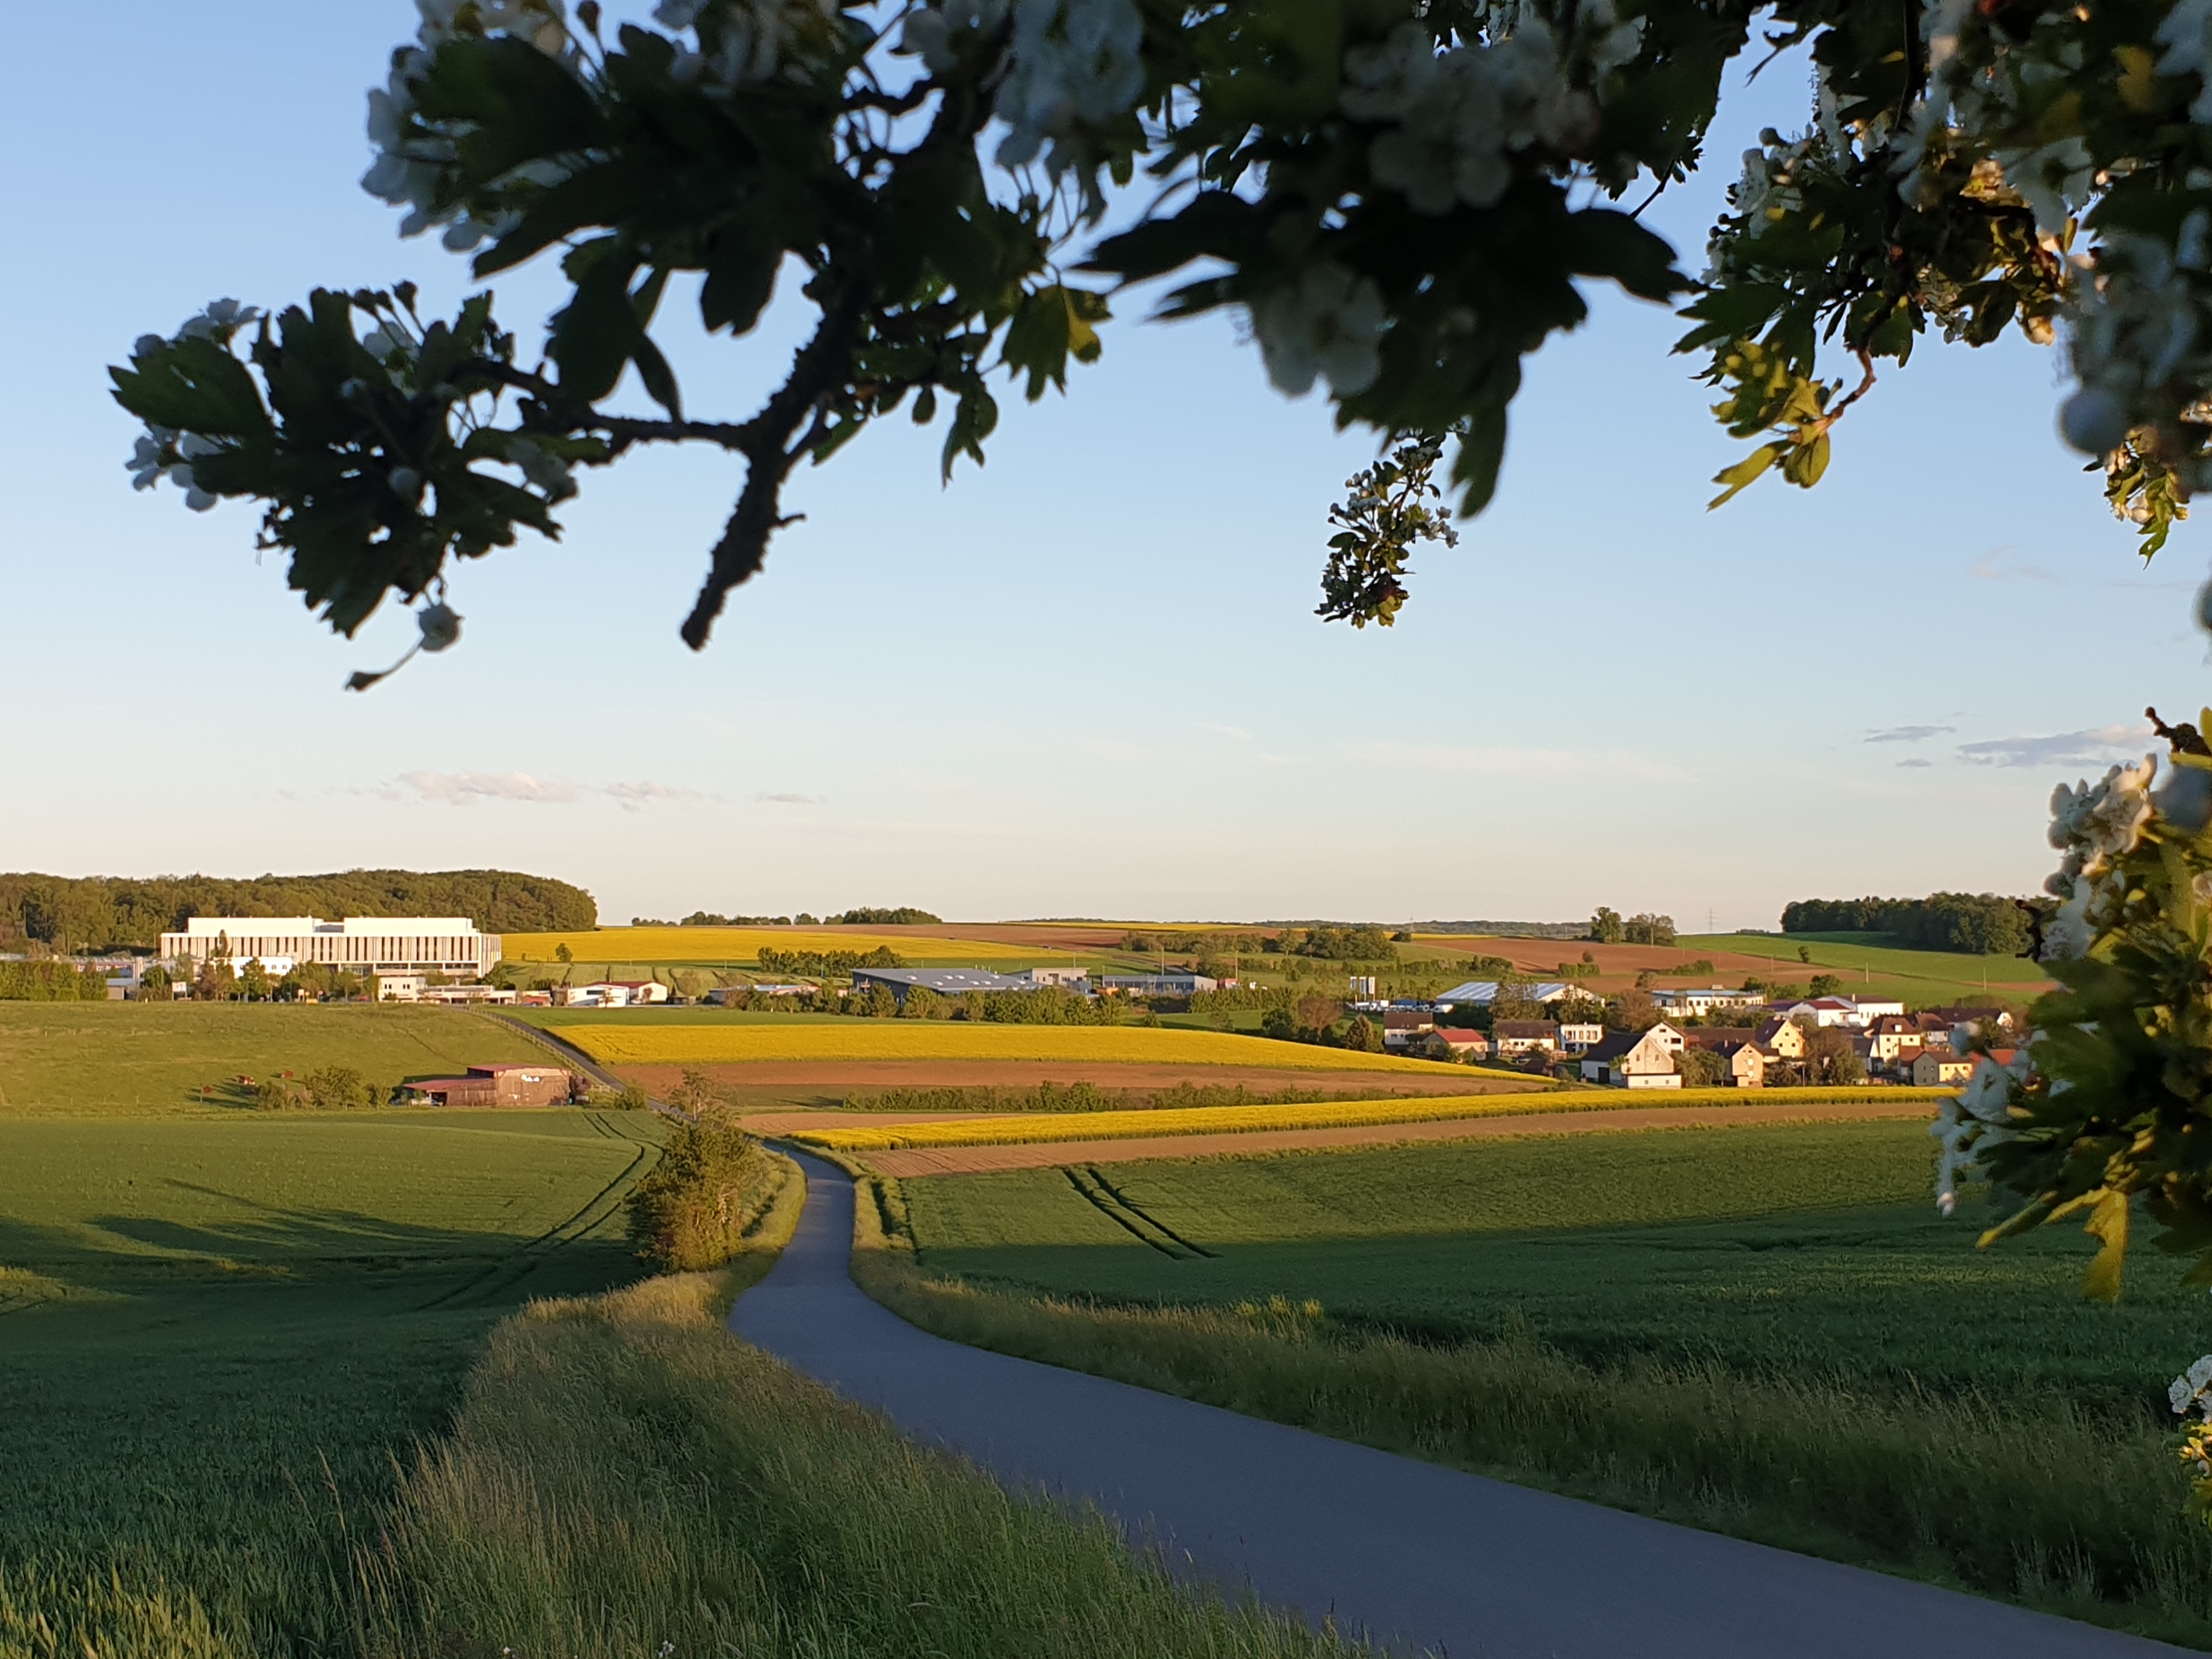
[[498, 1086]]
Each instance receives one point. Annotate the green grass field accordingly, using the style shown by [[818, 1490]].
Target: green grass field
[[1772, 1250], [1766, 1331], [216, 1337], [1869, 965], [92, 1059]]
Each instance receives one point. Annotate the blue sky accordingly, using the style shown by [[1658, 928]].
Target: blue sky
[[1086, 680]]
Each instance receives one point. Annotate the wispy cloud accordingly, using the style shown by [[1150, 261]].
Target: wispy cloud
[[1235, 732], [468, 788], [787, 799], [2002, 566], [2090, 748], [1908, 733], [1916, 763], [1504, 763]]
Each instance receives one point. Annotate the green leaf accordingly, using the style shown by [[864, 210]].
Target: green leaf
[[659, 379], [2108, 1225], [594, 334], [1745, 472]]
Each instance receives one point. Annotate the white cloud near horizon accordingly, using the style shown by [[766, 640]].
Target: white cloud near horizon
[[2095, 747], [468, 788], [1908, 733], [788, 797]]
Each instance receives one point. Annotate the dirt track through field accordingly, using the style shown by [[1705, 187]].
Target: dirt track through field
[[1050, 1154], [1420, 1556], [835, 1079]]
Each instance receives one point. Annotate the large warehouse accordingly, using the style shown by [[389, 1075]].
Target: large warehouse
[[362, 944]]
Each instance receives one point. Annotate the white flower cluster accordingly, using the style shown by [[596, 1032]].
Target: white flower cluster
[[2192, 1390], [1458, 117], [2091, 826], [221, 319], [745, 42], [1327, 324], [938, 34], [411, 160], [2186, 35], [2134, 326], [1978, 1117], [549, 471], [1074, 64]]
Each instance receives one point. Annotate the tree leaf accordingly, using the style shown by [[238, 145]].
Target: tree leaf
[[1745, 472]]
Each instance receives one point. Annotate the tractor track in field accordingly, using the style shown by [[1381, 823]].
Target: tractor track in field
[[1116, 1206], [519, 1264]]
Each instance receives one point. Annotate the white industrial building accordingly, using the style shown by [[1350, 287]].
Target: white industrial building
[[360, 944]]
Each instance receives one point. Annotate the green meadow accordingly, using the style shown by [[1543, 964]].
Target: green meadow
[[1869, 965], [90, 1058], [1767, 1331]]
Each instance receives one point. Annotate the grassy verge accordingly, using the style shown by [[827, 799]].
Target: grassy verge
[[1242, 1119], [625, 1479], [2031, 1500]]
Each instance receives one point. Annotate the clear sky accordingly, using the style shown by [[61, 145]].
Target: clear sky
[[1086, 680]]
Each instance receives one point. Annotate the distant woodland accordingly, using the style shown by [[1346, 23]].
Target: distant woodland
[[102, 913], [1981, 923]]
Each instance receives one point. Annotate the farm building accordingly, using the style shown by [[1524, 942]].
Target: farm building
[[1695, 1002], [1454, 1043], [613, 993], [1170, 984], [497, 1085], [1402, 1028], [945, 982], [1482, 992], [1518, 1036]]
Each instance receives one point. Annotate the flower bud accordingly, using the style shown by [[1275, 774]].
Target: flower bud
[[2094, 422], [441, 625]]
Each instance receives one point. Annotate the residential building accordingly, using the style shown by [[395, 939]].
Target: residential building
[[1460, 1042], [2001, 1018], [1874, 1008], [1894, 1039], [1747, 1064], [1783, 1035], [498, 1086], [945, 982], [1635, 1060], [360, 944], [1170, 984], [399, 988], [1695, 1002], [1938, 1066], [1482, 992], [1518, 1036], [1574, 1037], [1822, 1011], [1403, 1028]]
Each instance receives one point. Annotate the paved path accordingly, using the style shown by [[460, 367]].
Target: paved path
[[1129, 1148], [1419, 1555]]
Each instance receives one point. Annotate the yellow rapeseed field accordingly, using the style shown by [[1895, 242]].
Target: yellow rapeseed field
[[915, 1039], [1238, 1120], [744, 944]]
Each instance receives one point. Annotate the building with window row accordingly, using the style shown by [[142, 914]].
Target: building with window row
[[359, 945]]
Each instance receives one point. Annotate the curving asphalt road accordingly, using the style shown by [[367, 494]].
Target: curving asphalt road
[[1413, 1554]]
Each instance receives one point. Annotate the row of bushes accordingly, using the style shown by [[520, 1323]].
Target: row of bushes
[[51, 981], [817, 963]]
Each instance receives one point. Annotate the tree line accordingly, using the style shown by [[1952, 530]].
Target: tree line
[[819, 962], [904, 915], [108, 913], [1979, 924]]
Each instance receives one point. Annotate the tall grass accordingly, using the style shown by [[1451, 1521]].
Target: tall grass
[[624, 1479], [2032, 1498]]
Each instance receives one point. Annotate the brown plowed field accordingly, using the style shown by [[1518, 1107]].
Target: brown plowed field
[[1042, 1155], [823, 1083]]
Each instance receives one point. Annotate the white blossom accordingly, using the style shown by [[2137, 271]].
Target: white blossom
[[543, 468], [218, 321], [1074, 63], [2190, 1388], [2186, 35], [145, 463], [931, 32], [1978, 1117], [2053, 178], [1326, 325]]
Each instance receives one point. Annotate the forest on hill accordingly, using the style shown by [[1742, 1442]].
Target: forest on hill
[[101, 913]]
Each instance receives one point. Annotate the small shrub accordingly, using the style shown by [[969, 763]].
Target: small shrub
[[713, 1183]]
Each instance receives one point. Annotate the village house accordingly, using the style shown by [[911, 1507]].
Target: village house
[[1783, 1035], [1894, 1039], [1518, 1036], [1738, 1047], [1459, 1043], [1635, 1060], [1938, 1066], [1695, 1002], [1404, 1027], [1574, 1036]]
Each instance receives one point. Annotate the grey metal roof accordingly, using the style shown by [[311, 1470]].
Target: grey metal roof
[[947, 981]]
